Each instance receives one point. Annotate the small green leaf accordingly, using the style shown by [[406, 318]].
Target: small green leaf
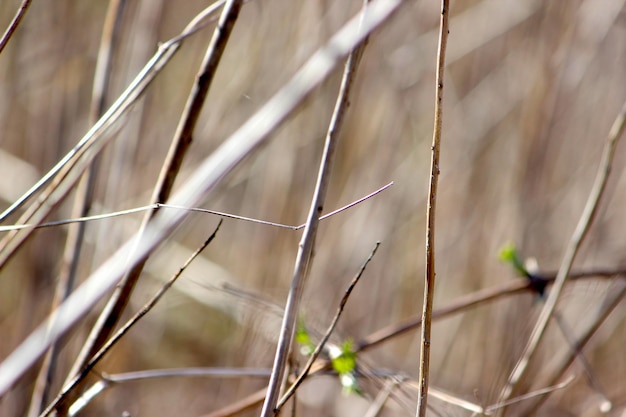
[[508, 254], [346, 361]]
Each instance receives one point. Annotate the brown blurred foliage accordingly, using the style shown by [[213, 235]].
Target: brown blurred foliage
[[532, 90]]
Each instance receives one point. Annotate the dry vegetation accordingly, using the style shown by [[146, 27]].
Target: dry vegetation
[[532, 90]]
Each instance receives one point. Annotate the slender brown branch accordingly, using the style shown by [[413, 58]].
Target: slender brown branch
[[14, 24], [69, 387], [318, 349], [429, 285], [474, 299], [571, 251]]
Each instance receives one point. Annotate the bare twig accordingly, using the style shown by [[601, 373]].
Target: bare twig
[[307, 243], [14, 23], [580, 232], [83, 201], [124, 329], [154, 206], [320, 346], [232, 151], [429, 284], [472, 300]]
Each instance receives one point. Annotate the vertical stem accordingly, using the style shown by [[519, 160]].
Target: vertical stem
[[429, 287]]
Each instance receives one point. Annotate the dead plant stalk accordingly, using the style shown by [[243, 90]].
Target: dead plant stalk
[[429, 285]]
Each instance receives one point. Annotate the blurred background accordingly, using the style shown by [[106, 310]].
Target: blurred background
[[532, 89]]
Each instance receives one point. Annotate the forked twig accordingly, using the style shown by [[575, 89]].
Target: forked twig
[[67, 389], [576, 240], [318, 349], [307, 243], [232, 151], [429, 284]]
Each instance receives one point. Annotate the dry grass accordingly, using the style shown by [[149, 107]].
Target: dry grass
[[532, 89]]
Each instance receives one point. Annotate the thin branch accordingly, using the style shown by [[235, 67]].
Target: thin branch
[[474, 299], [573, 246], [307, 243], [320, 346], [429, 285], [233, 150], [191, 209], [124, 329], [14, 24]]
